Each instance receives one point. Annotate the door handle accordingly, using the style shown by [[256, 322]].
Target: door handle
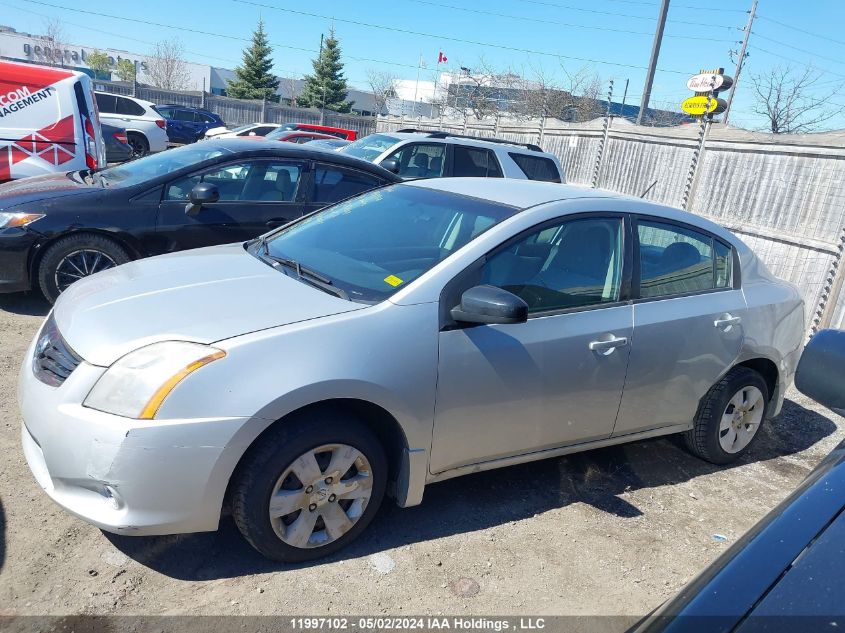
[[726, 321], [606, 347]]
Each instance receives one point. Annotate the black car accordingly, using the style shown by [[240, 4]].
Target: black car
[[118, 149], [786, 573], [58, 228], [188, 125]]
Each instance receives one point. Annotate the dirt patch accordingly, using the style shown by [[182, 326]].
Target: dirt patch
[[614, 531]]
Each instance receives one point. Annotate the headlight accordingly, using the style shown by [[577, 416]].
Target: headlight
[[9, 220], [137, 384]]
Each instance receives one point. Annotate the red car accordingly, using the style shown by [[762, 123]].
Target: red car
[[289, 136], [337, 132]]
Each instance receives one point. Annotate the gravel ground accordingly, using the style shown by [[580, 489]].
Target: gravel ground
[[614, 532]]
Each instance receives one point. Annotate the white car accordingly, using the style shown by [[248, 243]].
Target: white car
[[250, 129], [146, 129]]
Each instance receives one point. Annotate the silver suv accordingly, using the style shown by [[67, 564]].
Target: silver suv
[[414, 153]]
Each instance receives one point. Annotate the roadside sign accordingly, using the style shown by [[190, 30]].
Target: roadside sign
[[702, 82], [697, 106]]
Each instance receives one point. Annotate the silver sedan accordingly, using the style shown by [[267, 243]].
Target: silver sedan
[[406, 336]]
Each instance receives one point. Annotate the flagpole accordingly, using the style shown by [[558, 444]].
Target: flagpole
[[417, 85]]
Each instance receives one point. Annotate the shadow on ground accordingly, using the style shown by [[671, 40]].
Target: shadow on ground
[[25, 303], [483, 500]]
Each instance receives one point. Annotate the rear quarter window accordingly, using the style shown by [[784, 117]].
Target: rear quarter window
[[536, 167]]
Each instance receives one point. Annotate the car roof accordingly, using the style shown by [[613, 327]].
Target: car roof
[[258, 146], [183, 107], [463, 140], [524, 194]]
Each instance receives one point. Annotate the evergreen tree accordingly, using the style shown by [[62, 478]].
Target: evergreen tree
[[254, 79], [326, 87]]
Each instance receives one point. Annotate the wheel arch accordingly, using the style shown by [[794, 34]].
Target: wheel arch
[[37, 254], [376, 418], [768, 369]]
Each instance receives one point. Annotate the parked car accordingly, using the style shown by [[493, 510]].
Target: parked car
[[188, 125], [424, 154], [785, 573], [333, 144], [48, 122], [338, 132], [405, 336], [250, 129], [57, 229], [287, 136], [118, 149], [146, 130]]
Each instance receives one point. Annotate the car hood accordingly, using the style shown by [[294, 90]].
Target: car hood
[[40, 187], [204, 295]]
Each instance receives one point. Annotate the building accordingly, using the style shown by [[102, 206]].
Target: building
[[38, 49]]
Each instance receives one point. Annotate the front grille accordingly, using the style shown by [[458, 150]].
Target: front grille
[[53, 360]]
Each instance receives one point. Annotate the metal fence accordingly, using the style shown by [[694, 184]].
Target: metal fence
[[240, 111], [783, 195]]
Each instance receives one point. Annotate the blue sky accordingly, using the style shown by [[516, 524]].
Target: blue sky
[[615, 35]]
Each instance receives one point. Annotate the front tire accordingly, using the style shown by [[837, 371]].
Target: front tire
[[729, 418], [311, 487], [75, 257]]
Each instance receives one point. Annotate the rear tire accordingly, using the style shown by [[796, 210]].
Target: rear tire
[[299, 475], [139, 144], [729, 417], [76, 257]]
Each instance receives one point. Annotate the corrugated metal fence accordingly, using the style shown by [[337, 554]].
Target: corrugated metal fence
[[784, 196]]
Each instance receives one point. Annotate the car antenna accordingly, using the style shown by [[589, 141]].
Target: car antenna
[[650, 187]]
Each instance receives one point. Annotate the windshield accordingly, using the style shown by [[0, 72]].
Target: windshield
[[241, 128], [370, 147], [278, 133], [373, 245], [154, 165]]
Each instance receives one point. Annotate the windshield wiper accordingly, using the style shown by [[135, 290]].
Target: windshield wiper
[[306, 274]]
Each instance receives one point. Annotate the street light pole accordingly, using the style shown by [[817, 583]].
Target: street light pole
[[652, 64]]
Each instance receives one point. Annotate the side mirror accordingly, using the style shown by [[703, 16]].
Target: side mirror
[[391, 165], [489, 304], [821, 370], [202, 193]]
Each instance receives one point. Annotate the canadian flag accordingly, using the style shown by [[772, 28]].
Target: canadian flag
[[441, 58]]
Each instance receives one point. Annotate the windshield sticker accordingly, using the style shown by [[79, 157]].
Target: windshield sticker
[[393, 280]]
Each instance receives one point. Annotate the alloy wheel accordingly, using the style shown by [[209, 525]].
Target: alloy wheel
[[79, 264], [741, 419], [321, 495]]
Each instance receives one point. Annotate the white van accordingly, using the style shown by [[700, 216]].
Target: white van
[[48, 121]]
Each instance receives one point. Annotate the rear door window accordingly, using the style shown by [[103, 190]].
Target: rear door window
[[184, 115], [129, 107], [676, 260], [474, 161], [536, 167], [332, 184]]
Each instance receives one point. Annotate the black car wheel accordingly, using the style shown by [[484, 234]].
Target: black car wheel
[[139, 144], [312, 485], [75, 257]]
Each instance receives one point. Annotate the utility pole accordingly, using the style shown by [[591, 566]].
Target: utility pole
[[323, 101], [652, 64], [741, 59]]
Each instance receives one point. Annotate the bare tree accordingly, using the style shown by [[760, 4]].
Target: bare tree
[[584, 88], [383, 87], [790, 101], [54, 34], [291, 87], [166, 67]]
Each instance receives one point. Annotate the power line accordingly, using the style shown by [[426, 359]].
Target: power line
[[797, 61], [800, 30], [549, 21], [209, 33], [800, 50], [555, 5], [451, 38]]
